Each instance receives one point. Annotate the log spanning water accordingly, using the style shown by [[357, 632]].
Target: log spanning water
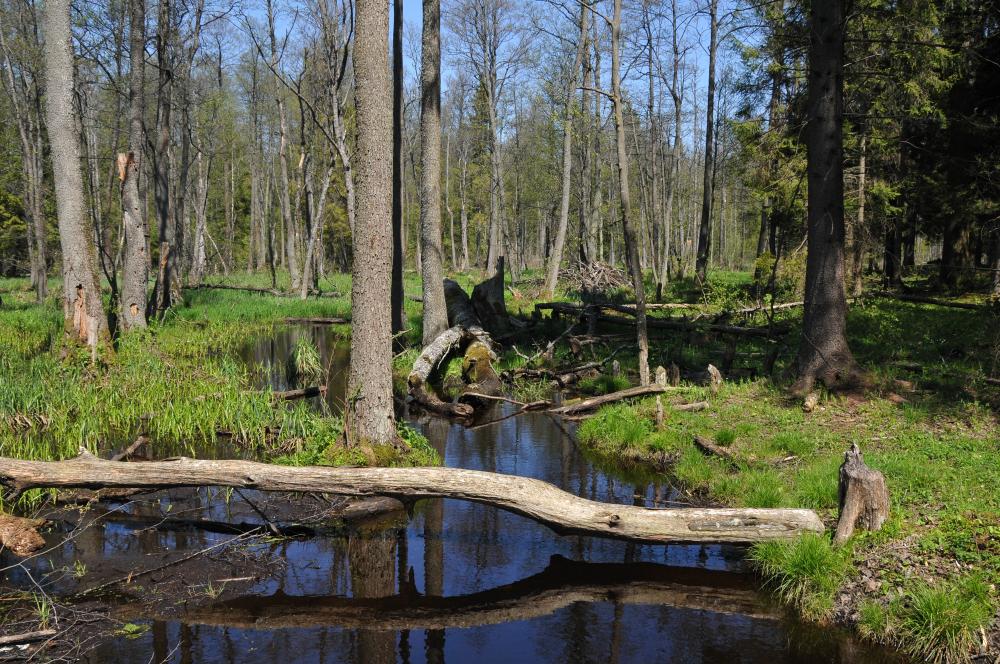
[[535, 499]]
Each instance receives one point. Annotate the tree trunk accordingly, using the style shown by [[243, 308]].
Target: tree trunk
[[567, 160], [369, 417], [631, 241], [83, 312], [863, 497], [531, 498], [705, 229], [162, 293], [432, 253], [398, 247], [284, 200], [857, 243], [823, 353]]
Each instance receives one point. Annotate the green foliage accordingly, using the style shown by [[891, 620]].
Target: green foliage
[[805, 572], [304, 363], [615, 427], [603, 384], [939, 624]]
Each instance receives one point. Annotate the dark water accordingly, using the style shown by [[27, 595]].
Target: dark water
[[459, 582]]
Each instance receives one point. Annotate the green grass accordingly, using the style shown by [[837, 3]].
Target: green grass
[[181, 381], [603, 384], [931, 623], [805, 572]]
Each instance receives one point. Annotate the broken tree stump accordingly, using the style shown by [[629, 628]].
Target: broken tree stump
[[531, 498], [863, 497], [431, 357], [490, 305], [20, 535]]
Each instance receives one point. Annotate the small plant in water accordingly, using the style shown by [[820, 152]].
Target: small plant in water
[[304, 363], [43, 609], [79, 569], [132, 630]]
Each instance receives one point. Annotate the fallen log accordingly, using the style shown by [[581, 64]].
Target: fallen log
[[710, 447], [248, 289], [594, 403], [659, 323], [534, 499], [20, 535], [691, 407], [27, 637], [304, 393], [561, 584], [430, 358], [320, 321], [923, 299]]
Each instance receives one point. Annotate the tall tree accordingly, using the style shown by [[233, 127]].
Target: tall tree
[[624, 199], [705, 228], [83, 310], [567, 158], [398, 250], [135, 268], [369, 416], [431, 270], [166, 277], [824, 354]]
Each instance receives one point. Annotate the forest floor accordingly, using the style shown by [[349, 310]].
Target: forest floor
[[928, 420]]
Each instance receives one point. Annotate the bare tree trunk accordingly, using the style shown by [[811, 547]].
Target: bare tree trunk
[[567, 159], [631, 241], [447, 202], [135, 270], [291, 236], [398, 248], [824, 354], [675, 151], [199, 257], [369, 415], [705, 229], [857, 243], [431, 270], [161, 185], [83, 312]]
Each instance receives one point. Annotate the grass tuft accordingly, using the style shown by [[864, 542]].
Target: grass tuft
[[805, 572]]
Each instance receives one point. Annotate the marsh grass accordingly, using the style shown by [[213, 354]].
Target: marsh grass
[[180, 381], [603, 384], [805, 572], [304, 363], [939, 624]]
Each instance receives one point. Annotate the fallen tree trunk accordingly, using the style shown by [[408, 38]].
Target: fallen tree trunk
[[247, 289], [658, 323], [534, 499], [304, 393], [594, 403], [430, 358], [320, 321], [923, 299], [561, 584]]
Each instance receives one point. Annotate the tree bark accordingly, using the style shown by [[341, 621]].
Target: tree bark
[[863, 497], [83, 311], [531, 498], [162, 293], [631, 241], [398, 248], [705, 228], [135, 267], [369, 416], [432, 255], [824, 354]]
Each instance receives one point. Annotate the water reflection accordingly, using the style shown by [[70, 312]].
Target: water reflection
[[455, 581]]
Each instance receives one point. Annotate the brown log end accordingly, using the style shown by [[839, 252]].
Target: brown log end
[[20, 535], [863, 497]]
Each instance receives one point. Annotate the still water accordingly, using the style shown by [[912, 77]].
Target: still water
[[461, 582]]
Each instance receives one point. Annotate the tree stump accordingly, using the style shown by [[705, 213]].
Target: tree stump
[[863, 496]]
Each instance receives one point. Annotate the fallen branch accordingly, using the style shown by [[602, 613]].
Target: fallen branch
[[534, 499], [691, 407], [594, 403], [27, 637], [304, 393], [710, 447], [320, 321], [923, 299]]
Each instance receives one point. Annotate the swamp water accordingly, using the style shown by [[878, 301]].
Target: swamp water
[[451, 582]]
